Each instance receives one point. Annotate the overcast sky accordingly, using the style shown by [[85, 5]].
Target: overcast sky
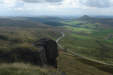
[[55, 7]]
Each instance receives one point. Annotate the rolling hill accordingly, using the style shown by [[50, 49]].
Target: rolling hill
[[85, 36]]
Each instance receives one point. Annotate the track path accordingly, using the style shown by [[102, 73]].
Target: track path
[[59, 38], [69, 52]]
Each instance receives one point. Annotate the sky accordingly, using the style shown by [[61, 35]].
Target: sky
[[55, 7]]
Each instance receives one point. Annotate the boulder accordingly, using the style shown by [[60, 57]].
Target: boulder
[[51, 51]]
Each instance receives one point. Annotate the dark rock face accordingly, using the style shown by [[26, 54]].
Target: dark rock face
[[45, 54], [50, 51]]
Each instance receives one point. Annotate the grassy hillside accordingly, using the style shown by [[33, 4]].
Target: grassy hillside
[[11, 37], [73, 65], [91, 39]]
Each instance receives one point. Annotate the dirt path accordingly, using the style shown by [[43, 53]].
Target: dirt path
[[59, 38]]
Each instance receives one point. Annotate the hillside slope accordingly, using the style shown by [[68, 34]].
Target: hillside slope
[[76, 66], [67, 65]]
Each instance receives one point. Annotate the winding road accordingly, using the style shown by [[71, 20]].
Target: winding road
[[59, 38], [69, 52]]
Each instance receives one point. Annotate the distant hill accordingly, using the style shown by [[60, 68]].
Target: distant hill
[[85, 17], [103, 21], [50, 21], [20, 23]]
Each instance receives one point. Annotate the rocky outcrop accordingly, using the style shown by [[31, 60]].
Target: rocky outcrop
[[44, 53], [49, 52]]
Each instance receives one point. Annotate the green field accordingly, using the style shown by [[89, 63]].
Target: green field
[[93, 41]]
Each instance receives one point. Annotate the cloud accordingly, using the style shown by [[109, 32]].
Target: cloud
[[54, 0], [33, 1], [97, 3], [42, 1], [9, 3], [64, 7]]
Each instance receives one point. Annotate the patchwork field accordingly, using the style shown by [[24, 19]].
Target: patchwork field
[[89, 39]]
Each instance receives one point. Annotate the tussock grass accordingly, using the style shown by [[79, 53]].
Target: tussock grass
[[21, 69]]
